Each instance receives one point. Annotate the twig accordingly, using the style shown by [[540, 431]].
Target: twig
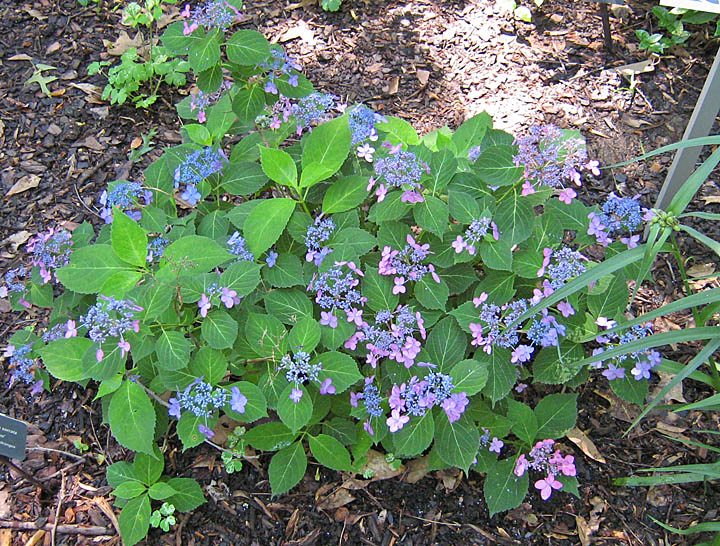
[[62, 529], [62, 470], [61, 494], [51, 450], [24, 474]]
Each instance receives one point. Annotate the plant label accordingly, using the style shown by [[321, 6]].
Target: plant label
[[13, 437]]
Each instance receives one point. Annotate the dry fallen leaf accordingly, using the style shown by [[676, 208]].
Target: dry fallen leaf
[[52, 48], [5, 506], [336, 499], [423, 76], [381, 469], [25, 183], [20, 57], [580, 439], [711, 199], [701, 270], [302, 30], [393, 86], [5, 537], [417, 470], [16, 239], [631, 69], [92, 143], [676, 393], [583, 530], [123, 43]]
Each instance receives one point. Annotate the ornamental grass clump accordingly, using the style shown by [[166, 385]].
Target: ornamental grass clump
[[328, 300]]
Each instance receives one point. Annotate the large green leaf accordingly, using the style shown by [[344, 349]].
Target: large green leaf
[[469, 376], [287, 467], [345, 194], [248, 103], [501, 373], [219, 329], [515, 218], [351, 243], [173, 350], [326, 147], [431, 294], [189, 494], [196, 253], [132, 418], [556, 414], [471, 133], [457, 443], [63, 358], [496, 167], [341, 368], [90, 268], [415, 437], [443, 166], [279, 166], [266, 223], [288, 304], [204, 53], [329, 452], [378, 291], [503, 489], [446, 344], [129, 240], [269, 436], [242, 277], [432, 215], [134, 520], [247, 47]]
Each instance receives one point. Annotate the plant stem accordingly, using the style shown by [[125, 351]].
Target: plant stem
[[683, 273]]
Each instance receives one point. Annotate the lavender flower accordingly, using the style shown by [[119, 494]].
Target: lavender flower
[[198, 165], [126, 196], [213, 14], [335, 289], [406, 264], [312, 109], [644, 361], [474, 234], [236, 244], [21, 367], [51, 250], [401, 169], [110, 318], [202, 101], [317, 234], [362, 123]]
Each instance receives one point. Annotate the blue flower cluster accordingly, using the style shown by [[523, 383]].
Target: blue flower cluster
[[201, 101], [474, 234], [156, 248], [474, 153], [298, 368], [619, 215], [21, 368], [493, 318], [336, 289], [316, 235], [371, 400], [14, 281], [406, 264], [110, 318], [236, 244], [546, 330], [199, 398], [312, 109], [279, 63], [644, 360], [213, 14], [419, 396], [362, 122], [126, 196], [401, 169], [50, 250], [566, 264], [197, 167]]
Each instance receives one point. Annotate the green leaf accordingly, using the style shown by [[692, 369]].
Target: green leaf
[[63, 358], [266, 335], [345, 194], [210, 80], [305, 334], [90, 268], [523, 421], [266, 223], [332, 338], [327, 146], [132, 418], [295, 415], [415, 437], [497, 255], [471, 133], [341, 368], [188, 429], [286, 272], [503, 489], [243, 178], [189, 494], [391, 208], [199, 134], [134, 520], [279, 166], [119, 473], [557, 366], [469, 376], [351, 243], [161, 491], [457, 443], [204, 53], [443, 167], [147, 468], [612, 302], [219, 329], [155, 297], [329, 452], [247, 47], [496, 167], [556, 414], [269, 436], [248, 103], [501, 373], [129, 240], [446, 344], [215, 225], [129, 490], [431, 294], [288, 304], [196, 253], [173, 350], [515, 218], [378, 291], [630, 389], [398, 130], [573, 217], [242, 277], [463, 207], [432, 214], [287, 467]]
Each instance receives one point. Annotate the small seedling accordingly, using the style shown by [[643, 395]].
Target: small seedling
[[163, 517], [39, 78]]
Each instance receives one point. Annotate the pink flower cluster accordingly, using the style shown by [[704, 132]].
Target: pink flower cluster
[[544, 459]]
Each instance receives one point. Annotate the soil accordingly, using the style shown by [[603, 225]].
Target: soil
[[433, 63]]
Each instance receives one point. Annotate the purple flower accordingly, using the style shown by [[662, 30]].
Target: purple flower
[[204, 305], [124, 347], [411, 197], [174, 409], [368, 428], [238, 400], [641, 370], [547, 485], [399, 287], [71, 329], [496, 446], [271, 258], [567, 195], [327, 387], [228, 297], [614, 372], [454, 406], [521, 465], [191, 195], [328, 319], [296, 395], [631, 241], [521, 353], [207, 432], [459, 244], [354, 315], [396, 421], [565, 308]]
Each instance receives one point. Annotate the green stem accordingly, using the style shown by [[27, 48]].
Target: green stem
[[714, 373], [681, 265]]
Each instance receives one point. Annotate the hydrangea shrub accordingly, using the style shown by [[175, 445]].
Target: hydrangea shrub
[[330, 282]]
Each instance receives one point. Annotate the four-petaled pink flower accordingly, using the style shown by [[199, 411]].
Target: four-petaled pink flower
[[228, 297], [237, 400], [411, 197], [204, 305], [454, 406], [381, 192], [124, 348], [527, 189], [327, 387], [565, 308], [399, 287], [521, 353], [521, 465], [631, 241], [396, 421], [496, 445], [328, 319], [567, 195], [592, 166], [354, 315], [70, 329], [459, 244], [547, 485]]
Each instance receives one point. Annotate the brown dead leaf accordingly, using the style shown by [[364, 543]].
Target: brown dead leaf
[[6, 537], [583, 530], [52, 48], [711, 199], [92, 143], [423, 76], [632, 69], [393, 86], [619, 408], [20, 57], [136, 142], [27, 182], [450, 478], [676, 393], [336, 499], [381, 469], [656, 167], [16, 239], [34, 13], [123, 43], [5, 506], [417, 470], [525, 513], [36, 538], [580, 439], [105, 508], [301, 30], [659, 495], [701, 270]]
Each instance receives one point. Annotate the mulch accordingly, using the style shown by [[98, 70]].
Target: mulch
[[433, 63]]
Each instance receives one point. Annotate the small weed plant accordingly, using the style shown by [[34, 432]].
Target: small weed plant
[[672, 22], [331, 284]]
